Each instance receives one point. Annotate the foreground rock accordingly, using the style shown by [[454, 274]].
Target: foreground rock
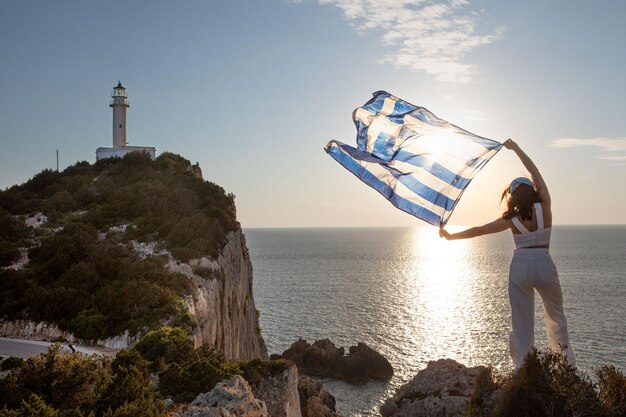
[[270, 388], [229, 398], [323, 358], [315, 401], [443, 389], [276, 384]]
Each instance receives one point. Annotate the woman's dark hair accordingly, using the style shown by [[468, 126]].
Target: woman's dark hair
[[520, 203]]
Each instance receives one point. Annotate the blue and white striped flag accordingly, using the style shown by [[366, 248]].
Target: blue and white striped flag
[[419, 162]]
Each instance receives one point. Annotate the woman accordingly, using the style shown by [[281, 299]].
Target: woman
[[529, 217]]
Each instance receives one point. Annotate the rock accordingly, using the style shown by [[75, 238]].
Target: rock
[[323, 358], [229, 398], [364, 363], [389, 408], [442, 389], [223, 307], [24, 329], [315, 401], [279, 392], [169, 403]]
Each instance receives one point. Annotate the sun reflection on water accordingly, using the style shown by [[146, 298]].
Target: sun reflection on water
[[439, 290], [457, 309]]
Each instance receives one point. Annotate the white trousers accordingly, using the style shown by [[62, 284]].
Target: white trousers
[[533, 269]]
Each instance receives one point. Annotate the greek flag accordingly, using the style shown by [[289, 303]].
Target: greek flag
[[417, 161]]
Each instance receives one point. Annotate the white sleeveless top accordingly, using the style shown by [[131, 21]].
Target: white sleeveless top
[[527, 239]]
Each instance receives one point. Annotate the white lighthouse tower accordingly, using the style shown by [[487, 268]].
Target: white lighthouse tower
[[119, 104]]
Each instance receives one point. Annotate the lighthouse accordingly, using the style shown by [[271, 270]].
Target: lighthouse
[[119, 104]]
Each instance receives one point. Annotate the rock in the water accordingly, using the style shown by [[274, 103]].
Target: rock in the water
[[389, 408], [442, 389], [315, 401], [364, 363], [323, 358], [228, 399]]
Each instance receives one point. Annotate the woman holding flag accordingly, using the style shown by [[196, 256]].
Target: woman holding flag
[[528, 214]]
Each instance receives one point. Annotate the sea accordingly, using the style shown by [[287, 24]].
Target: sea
[[415, 297]]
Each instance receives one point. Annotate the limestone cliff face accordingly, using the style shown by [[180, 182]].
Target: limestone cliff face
[[24, 329], [223, 306], [30, 330]]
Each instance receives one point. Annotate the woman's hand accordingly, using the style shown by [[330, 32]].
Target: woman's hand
[[510, 144], [444, 233]]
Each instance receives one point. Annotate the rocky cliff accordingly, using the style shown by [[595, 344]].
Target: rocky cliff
[[103, 253], [223, 307]]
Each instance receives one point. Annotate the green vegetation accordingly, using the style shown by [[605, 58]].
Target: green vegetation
[[12, 237], [99, 287], [165, 346], [184, 372], [60, 385], [546, 385], [55, 384], [257, 369], [11, 362]]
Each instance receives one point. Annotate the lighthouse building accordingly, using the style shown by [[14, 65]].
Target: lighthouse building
[[119, 104]]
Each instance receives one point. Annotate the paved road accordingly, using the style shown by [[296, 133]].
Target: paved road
[[25, 348]]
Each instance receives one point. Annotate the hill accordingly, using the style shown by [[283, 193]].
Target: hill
[[123, 246]]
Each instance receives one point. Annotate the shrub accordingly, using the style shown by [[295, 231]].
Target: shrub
[[183, 320], [12, 229], [12, 233], [14, 285], [126, 358], [172, 344], [40, 182], [62, 381], [481, 401], [546, 385], [129, 385], [11, 362], [612, 390], [204, 368], [88, 324], [61, 202], [142, 407], [9, 253], [60, 251], [35, 406], [74, 385], [257, 369]]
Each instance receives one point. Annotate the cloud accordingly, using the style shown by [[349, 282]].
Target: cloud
[[613, 157], [608, 145], [426, 35], [474, 115]]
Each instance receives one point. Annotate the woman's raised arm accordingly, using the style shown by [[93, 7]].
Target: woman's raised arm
[[542, 188]]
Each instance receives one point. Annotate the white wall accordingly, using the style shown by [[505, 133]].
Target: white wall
[[103, 153]]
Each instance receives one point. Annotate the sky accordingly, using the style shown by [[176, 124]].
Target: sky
[[253, 90]]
